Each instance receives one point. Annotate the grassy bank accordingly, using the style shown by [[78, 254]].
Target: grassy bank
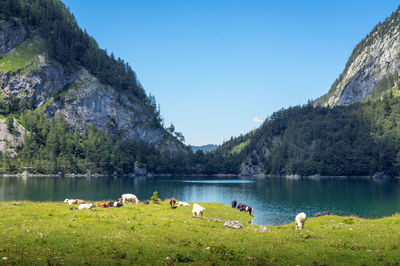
[[51, 233]]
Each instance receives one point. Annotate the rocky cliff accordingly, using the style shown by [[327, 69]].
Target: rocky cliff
[[12, 33], [373, 68], [27, 73]]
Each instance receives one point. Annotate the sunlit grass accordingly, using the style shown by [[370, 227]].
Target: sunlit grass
[[51, 233], [24, 58]]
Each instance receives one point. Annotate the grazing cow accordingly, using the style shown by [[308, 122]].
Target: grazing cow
[[88, 206], [129, 197], [172, 202], [182, 203], [241, 206], [103, 204], [300, 220], [197, 210], [234, 203], [326, 213], [249, 210], [318, 214], [70, 201], [74, 201], [118, 203]]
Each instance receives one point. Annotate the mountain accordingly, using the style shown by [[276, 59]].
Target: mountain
[[205, 148], [55, 81], [373, 69], [353, 130]]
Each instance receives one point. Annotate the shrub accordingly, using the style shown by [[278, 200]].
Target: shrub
[[155, 198]]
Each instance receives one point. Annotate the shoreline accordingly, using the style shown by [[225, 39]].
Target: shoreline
[[291, 177]]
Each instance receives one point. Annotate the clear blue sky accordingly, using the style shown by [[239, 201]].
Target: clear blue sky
[[218, 67]]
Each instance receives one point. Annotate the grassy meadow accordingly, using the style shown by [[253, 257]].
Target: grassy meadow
[[49, 233]]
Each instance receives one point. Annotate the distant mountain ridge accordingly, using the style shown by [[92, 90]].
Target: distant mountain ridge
[[205, 148]]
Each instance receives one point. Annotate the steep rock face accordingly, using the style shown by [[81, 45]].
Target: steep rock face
[[26, 72], [88, 102], [374, 59], [10, 141], [12, 33], [38, 85]]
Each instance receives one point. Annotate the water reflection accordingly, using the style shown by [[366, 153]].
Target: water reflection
[[275, 200]]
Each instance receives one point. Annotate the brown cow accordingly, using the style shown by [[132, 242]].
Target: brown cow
[[103, 204], [172, 202], [318, 214], [326, 213]]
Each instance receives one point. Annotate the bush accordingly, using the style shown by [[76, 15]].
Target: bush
[[155, 198]]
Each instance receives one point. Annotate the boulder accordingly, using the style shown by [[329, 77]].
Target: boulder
[[233, 224]]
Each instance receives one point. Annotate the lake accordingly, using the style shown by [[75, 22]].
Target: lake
[[275, 200]]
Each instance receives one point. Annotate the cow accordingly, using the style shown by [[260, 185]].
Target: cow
[[70, 201], [181, 203], [241, 206], [129, 197], [300, 220], [249, 210], [234, 203], [172, 202], [197, 210], [103, 204], [86, 206]]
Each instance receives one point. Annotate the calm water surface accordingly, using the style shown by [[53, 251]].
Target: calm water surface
[[275, 200]]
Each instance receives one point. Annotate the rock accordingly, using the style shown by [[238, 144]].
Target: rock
[[140, 169], [233, 224], [381, 175], [295, 176], [10, 142], [12, 33], [37, 86], [264, 228]]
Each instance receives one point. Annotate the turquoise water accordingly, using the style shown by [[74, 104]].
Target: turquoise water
[[275, 200]]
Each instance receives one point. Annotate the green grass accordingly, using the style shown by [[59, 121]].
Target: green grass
[[51, 233], [24, 58]]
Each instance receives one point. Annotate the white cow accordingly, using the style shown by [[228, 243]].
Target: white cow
[[87, 206], [182, 203], [198, 210], [300, 220], [70, 201], [129, 197]]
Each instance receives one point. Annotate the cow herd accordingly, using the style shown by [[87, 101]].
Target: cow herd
[[241, 207], [197, 210]]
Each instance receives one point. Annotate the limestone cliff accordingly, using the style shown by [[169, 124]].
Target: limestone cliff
[[373, 68], [26, 72]]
